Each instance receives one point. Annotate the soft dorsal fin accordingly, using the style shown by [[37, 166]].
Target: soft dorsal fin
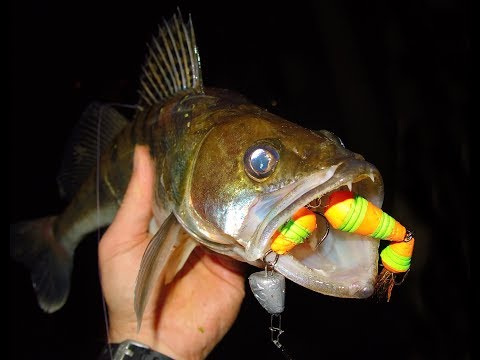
[[95, 130], [172, 64]]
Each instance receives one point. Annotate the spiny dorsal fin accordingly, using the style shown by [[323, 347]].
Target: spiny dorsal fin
[[172, 64], [95, 130]]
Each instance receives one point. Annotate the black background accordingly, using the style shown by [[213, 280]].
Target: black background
[[393, 81]]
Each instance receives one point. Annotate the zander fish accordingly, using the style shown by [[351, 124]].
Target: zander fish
[[228, 175]]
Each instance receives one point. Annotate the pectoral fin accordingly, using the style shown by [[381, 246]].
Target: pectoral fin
[[165, 255]]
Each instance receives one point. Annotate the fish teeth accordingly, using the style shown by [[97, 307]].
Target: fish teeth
[[349, 185]]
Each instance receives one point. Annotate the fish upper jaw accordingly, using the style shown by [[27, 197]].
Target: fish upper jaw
[[342, 264]]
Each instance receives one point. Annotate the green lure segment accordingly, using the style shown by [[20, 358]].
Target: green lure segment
[[294, 232]]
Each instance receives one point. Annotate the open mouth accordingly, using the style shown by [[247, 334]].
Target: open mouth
[[339, 263]]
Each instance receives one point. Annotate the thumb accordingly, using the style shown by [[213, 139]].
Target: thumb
[[132, 219]]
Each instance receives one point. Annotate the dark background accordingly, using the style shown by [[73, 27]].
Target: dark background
[[392, 81]]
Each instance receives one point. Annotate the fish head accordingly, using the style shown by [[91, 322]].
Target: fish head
[[253, 172]]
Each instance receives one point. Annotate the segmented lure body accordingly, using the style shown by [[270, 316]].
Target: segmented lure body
[[294, 231], [349, 212], [396, 257]]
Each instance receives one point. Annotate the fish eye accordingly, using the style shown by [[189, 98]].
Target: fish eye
[[260, 161]]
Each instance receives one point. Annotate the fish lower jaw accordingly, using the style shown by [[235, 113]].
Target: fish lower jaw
[[343, 265]]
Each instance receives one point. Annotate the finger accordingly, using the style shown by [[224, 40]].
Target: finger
[[133, 217]]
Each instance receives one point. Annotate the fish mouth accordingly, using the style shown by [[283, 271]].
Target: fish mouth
[[330, 261]]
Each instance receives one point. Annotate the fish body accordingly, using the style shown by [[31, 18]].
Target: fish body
[[228, 175]]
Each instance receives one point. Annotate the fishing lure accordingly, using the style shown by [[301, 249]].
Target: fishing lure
[[349, 212], [295, 231], [346, 211]]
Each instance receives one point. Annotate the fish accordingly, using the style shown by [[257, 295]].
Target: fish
[[228, 175]]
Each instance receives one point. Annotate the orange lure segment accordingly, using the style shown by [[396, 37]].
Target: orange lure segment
[[348, 212], [294, 231]]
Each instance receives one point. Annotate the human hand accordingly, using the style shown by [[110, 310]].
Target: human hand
[[186, 318]]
